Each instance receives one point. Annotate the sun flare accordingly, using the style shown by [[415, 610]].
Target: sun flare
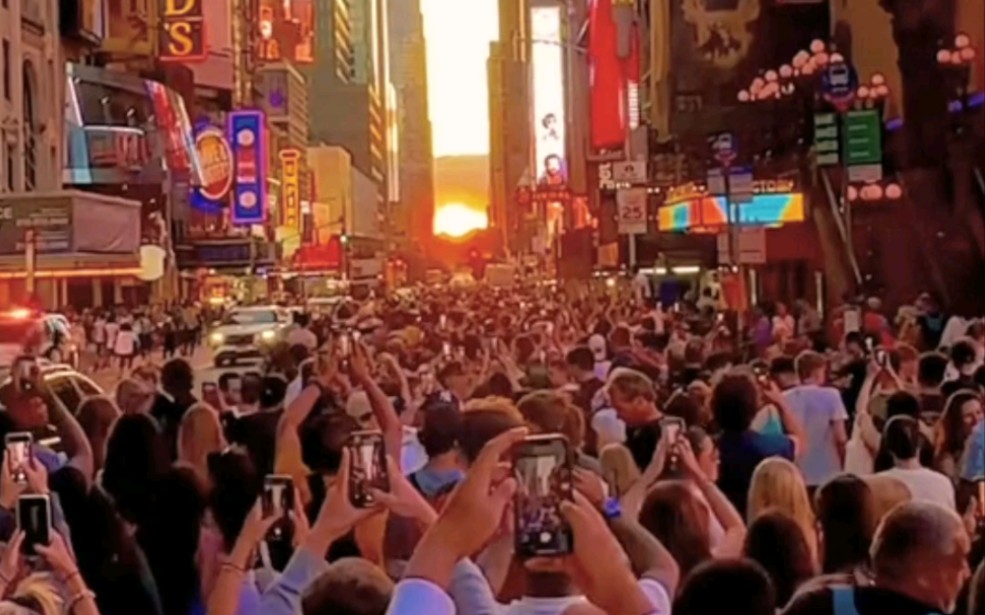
[[458, 220]]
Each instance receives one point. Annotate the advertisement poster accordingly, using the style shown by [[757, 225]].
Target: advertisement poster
[[547, 57], [130, 27], [216, 158], [290, 181], [287, 31], [247, 134], [51, 220]]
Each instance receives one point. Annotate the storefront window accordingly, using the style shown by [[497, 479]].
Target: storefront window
[[103, 105]]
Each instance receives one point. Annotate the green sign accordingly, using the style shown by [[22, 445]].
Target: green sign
[[826, 142], [863, 137]]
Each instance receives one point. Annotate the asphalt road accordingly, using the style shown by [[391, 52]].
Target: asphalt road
[[201, 361]]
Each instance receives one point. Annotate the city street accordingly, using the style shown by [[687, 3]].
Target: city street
[[201, 362]]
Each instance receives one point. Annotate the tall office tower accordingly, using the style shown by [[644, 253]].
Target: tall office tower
[[348, 86], [413, 219]]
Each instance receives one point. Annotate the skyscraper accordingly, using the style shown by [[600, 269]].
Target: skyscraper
[[408, 63]]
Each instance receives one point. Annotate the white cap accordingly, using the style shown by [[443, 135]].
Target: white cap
[[597, 345]]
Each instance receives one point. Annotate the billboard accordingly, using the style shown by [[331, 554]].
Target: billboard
[[216, 158], [287, 31], [182, 31], [710, 213], [130, 27], [290, 185], [248, 136], [547, 57]]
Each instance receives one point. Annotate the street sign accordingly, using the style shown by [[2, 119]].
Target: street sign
[[723, 148], [630, 171], [752, 246], [827, 145], [631, 210], [839, 83], [863, 137]]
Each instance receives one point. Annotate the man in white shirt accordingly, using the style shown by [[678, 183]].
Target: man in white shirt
[[822, 413], [902, 439]]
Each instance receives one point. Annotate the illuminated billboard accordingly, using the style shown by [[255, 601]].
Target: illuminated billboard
[[216, 157], [709, 213], [287, 31], [547, 57], [290, 184], [182, 31], [247, 134]]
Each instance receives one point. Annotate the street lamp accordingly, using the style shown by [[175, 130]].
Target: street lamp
[[955, 62]]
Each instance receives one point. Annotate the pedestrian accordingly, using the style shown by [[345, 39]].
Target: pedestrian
[[169, 334], [125, 346]]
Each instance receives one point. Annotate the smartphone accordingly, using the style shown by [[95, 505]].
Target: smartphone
[[367, 468], [550, 328], [542, 468], [868, 346], [881, 357], [34, 518], [671, 428], [446, 350], [762, 375], [278, 501], [18, 447], [443, 322], [345, 344]]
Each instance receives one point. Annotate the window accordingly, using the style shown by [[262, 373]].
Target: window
[[6, 66]]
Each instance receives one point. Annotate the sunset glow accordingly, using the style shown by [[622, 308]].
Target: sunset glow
[[458, 220]]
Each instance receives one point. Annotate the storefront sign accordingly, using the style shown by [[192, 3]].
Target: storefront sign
[[182, 31], [696, 190], [247, 132], [290, 181], [50, 219], [631, 210], [863, 137], [217, 164]]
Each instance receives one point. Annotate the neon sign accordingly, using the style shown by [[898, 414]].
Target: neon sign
[[709, 213], [182, 31], [290, 181], [247, 132], [217, 163]]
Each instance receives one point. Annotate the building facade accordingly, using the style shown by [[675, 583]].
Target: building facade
[[414, 213]]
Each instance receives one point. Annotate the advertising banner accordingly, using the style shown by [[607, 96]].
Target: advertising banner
[[547, 57], [216, 158], [631, 211], [182, 31], [287, 31], [290, 182], [247, 134], [51, 220], [131, 28]]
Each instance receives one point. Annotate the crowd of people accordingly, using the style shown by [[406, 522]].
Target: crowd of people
[[751, 465]]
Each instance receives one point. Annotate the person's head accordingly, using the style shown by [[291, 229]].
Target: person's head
[[682, 405], [777, 484], [901, 436], [483, 420], [136, 456], [350, 586], [177, 377], [962, 411], [620, 338], [902, 403], [783, 371], [235, 487], [855, 344], [846, 518], [581, 363], [931, 370], [705, 450], [231, 386], [441, 429], [34, 594], [199, 435], [741, 584], [921, 550], [735, 401], [272, 392], [964, 356], [632, 395], [618, 468], [678, 517], [322, 439], [549, 412], [96, 417], [811, 367], [134, 396], [909, 362], [718, 362], [251, 389], [454, 378], [777, 543]]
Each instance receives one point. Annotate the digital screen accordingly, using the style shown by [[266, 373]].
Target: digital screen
[[710, 213], [547, 57], [287, 31]]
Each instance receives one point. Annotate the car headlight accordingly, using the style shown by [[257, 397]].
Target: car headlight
[[217, 338], [268, 336]]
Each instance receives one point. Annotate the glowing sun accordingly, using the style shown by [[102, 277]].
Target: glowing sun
[[458, 220]]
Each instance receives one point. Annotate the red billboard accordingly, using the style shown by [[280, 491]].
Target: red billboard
[[287, 31]]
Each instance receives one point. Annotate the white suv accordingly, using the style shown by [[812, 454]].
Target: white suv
[[247, 333]]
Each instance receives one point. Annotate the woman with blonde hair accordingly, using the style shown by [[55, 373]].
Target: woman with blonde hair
[[200, 435], [777, 483]]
